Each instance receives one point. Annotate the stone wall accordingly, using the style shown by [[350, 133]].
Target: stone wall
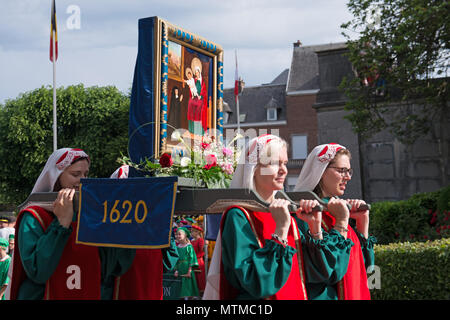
[[384, 168]]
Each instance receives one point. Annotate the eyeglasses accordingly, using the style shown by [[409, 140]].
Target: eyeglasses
[[343, 171]]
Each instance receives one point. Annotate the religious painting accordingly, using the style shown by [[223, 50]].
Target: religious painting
[[189, 101], [191, 89], [177, 85]]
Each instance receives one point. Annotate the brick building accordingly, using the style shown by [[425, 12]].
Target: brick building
[[283, 107], [304, 106]]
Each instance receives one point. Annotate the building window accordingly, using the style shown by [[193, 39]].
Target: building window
[[299, 146], [271, 114]]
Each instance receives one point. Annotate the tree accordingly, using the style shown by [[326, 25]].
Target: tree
[[94, 119], [401, 59]]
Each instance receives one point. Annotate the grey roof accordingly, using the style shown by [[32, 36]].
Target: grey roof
[[273, 103], [252, 102], [304, 71], [281, 78]]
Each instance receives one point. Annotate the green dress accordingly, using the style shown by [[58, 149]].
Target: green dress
[[4, 266], [170, 256], [325, 288], [187, 259], [261, 272], [366, 244], [40, 253]]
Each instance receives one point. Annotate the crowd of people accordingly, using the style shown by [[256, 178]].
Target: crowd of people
[[7, 224], [270, 254]]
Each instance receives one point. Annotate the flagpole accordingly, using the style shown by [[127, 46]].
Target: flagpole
[[205, 247], [238, 115], [237, 97], [55, 142]]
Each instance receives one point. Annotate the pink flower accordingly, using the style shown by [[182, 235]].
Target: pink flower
[[227, 168], [211, 159], [227, 152], [205, 145]]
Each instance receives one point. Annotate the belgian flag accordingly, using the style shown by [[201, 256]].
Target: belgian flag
[[53, 33]]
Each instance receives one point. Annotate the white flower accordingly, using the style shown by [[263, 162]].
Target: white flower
[[176, 135], [185, 161]]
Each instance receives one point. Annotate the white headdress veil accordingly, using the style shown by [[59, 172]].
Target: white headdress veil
[[242, 178], [121, 172], [315, 164], [58, 161]]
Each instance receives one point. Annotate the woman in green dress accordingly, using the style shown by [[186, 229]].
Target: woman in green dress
[[187, 260], [265, 254], [326, 171], [48, 263]]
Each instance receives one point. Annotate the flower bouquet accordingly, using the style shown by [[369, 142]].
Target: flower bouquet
[[209, 161]]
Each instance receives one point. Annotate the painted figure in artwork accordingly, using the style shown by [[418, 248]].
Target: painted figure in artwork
[[174, 110], [197, 105]]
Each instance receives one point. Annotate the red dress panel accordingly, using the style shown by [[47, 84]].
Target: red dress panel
[[199, 248], [263, 226], [353, 285], [77, 275]]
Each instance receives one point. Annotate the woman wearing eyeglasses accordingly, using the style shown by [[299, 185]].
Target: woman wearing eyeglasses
[[326, 172]]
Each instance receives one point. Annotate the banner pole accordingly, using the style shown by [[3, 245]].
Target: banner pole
[[55, 142]]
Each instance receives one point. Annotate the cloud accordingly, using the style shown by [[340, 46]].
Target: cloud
[[103, 50]]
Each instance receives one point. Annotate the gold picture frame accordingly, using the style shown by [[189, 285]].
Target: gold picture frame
[[197, 72]]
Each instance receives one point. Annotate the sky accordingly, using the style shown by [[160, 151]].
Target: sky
[[97, 39]]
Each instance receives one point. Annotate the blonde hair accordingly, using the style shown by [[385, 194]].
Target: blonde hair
[[265, 157], [269, 150]]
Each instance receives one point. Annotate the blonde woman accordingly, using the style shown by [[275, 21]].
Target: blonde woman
[[265, 255]]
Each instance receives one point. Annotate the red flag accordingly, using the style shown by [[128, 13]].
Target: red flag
[[236, 80], [55, 32]]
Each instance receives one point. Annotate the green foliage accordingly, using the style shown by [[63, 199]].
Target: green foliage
[[443, 202], [94, 119], [214, 177], [417, 219], [403, 47], [411, 271], [210, 161]]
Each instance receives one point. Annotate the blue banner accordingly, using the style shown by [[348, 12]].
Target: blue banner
[[212, 226], [127, 213], [141, 125]]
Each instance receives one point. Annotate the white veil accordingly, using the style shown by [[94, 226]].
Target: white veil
[[242, 178], [315, 164]]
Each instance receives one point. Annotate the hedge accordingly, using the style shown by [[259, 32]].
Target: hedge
[[413, 270], [423, 217]]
